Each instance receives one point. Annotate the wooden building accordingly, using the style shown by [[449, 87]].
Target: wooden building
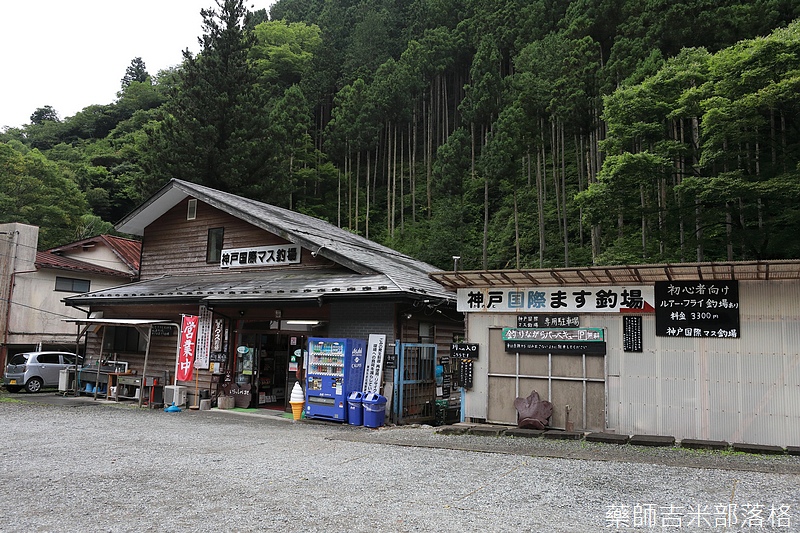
[[264, 279]]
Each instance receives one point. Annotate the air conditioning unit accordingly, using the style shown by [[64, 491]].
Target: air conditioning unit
[[175, 394]]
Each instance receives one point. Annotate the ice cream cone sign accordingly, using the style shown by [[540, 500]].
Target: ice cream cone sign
[[297, 401]]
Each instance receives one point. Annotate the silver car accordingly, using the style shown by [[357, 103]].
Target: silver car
[[36, 370]]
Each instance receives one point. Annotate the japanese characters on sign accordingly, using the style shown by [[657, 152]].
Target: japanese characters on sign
[[697, 309], [464, 350], [186, 346], [201, 360], [162, 330], [560, 348], [611, 299], [217, 334], [373, 368], [556, 341], [466, 372], [548, 321], [632, 334], [285, 254], [578, 334]]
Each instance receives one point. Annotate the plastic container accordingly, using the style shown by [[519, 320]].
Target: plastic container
[[355, 413], [374, 410]]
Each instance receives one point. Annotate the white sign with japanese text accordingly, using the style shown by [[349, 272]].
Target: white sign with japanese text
[[373, 369], [201, 352], [606, 299], [284, 254]]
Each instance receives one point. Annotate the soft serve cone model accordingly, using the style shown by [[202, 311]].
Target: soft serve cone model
[[297, 400]]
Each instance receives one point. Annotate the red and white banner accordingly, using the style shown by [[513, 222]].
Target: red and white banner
[[186, 348]]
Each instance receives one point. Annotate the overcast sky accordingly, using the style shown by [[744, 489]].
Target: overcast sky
[[72, 54]]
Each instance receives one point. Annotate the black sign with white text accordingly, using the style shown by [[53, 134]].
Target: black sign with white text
[[697, 309], [464, 350], [561, 348], [632, 333], [551, 320]]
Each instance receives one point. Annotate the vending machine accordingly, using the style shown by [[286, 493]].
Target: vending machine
[[334, 369]]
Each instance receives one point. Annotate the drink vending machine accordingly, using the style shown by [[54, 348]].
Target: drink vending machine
[[334, 369]]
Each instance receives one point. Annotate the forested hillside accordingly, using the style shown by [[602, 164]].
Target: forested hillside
[[511, 133]]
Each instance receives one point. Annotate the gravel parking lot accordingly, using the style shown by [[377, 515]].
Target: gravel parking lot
[[81, 465]]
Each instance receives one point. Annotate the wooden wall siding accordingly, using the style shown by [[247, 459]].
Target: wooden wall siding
[[174, 245]]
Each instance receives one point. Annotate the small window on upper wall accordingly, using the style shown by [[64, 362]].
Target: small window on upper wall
[[72, 284], [191, 210], [214, 249]]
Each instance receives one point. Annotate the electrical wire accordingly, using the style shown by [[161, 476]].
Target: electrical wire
[[36, 308]]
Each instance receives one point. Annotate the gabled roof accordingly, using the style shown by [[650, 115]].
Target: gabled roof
[[128, 251], [401, 272], [59, 262]]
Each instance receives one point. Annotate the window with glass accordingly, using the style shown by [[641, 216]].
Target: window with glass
[[123, 339], [72, 284], [214, 249]]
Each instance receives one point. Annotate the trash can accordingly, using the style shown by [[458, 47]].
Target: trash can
[[355, 414], [63, 380], [374, 410]]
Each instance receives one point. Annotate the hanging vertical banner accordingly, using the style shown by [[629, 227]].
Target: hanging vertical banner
[[201, 356], [376, 346], [186, 346], [217, 335]]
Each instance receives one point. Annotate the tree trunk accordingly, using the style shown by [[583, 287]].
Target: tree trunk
[[564, 191], [540, 202], [366, 199], [357, 188]]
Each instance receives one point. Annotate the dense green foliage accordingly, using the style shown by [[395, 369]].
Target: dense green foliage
[[511, 133]]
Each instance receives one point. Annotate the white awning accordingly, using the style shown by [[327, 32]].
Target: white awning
[[119, 321]]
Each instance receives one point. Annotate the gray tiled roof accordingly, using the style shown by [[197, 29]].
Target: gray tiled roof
[[377, 269], [244, 287]]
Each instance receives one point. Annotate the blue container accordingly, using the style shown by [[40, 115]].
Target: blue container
[[355, 414], [374, 410]]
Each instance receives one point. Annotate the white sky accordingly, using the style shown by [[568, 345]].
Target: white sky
[[70, 54]]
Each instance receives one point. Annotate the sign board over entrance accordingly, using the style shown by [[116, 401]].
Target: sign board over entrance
[[589, 299], [285, 254]]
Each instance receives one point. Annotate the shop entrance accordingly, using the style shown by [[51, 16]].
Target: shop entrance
[[262, 367]]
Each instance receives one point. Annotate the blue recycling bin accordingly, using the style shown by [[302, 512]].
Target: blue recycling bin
[[355, 412], [374, 410]]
